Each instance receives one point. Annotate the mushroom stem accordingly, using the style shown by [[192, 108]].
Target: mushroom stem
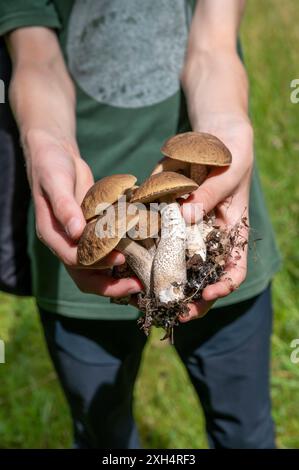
[[138, 258], [149, 244], [198, 173], [169, 164], [169, 265], [195, 244]]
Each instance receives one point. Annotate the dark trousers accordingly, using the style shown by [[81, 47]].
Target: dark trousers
[[226, 355]]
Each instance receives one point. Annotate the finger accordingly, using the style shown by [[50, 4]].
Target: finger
[[54, 237], [196, 310], [50, 232], [235, 274], [94, 282], [113, 259], [61, 195], [110, 287], [84, 179], [217, 187], [228, 284], [234, 210]]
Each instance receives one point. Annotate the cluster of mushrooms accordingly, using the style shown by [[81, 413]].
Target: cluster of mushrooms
[[173, 261]]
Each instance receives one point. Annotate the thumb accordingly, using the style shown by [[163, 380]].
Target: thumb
[[210, 193], [65, 208]]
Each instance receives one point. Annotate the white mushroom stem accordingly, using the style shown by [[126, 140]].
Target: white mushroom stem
[[149, 244], [138, 258], [169, 265], [195, 244]]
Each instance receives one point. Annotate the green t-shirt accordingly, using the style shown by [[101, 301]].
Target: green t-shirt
[[125, 59]]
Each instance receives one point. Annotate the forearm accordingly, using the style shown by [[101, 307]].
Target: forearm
[[214, 79], [41, 92], [215, 85], [216, 88], [43, 101]]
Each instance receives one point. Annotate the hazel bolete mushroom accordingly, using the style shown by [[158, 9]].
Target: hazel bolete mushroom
[[106, 192], [195, 244], [93, 246], [192, 153], [169, 164], [146, 231], [169, 264], [198, 149]]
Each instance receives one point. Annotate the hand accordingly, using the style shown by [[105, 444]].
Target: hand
[[226, 190], [59, 179]]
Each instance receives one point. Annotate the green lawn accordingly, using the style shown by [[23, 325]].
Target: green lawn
[[33, 412]]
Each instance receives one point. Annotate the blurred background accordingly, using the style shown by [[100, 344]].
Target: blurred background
[[33, 412]]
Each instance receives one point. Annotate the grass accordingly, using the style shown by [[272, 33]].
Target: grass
[[33, 412]]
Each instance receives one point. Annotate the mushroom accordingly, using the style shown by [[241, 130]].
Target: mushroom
[[169, 264], [195, 244], [106, 192], [146, 231], [168, 164], [94, 245], [200, 150], [192, 153]]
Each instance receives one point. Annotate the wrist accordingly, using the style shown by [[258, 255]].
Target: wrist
[[218, 121], [208, 61], [36, 141], [215, 86]]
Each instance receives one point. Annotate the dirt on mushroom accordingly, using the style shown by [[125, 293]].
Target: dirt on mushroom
[[223, 247]]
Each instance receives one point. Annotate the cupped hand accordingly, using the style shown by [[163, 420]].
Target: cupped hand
[[226, 191], [59, 179]]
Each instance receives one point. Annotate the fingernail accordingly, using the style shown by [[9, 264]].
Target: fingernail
[[135, 289], [119, 259], [73, 228], [187, 212], [192, 212]]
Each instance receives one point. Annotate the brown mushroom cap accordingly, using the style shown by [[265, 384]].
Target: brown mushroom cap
[[104, 193], [197, 147], [164, 184], [92, 247]]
